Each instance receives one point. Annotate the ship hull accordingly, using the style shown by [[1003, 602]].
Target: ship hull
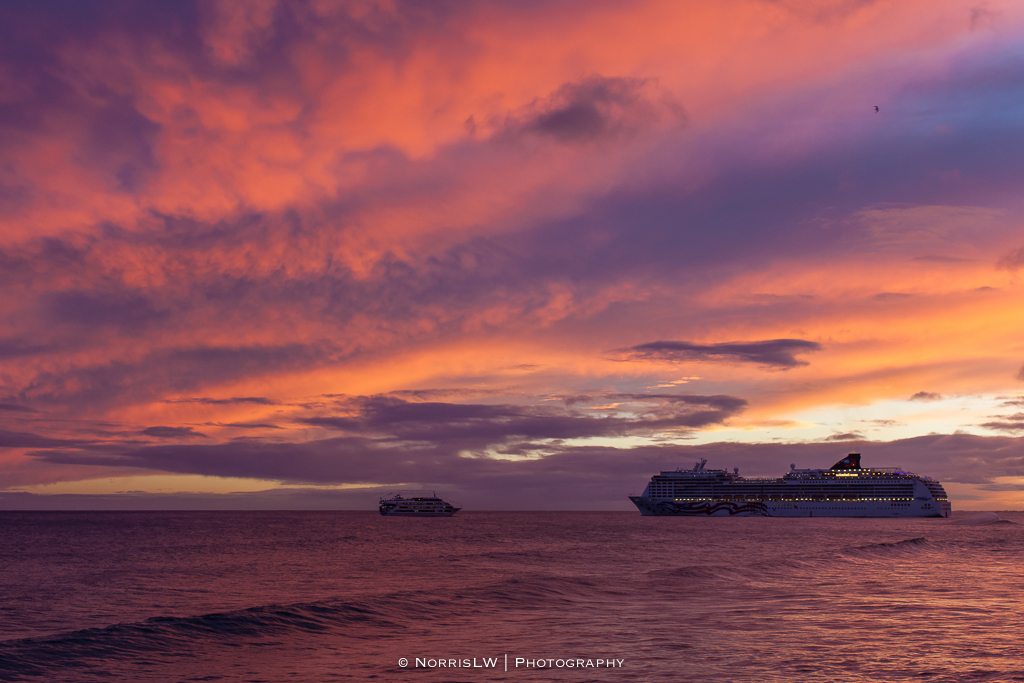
[[652, 507], [419, 514]]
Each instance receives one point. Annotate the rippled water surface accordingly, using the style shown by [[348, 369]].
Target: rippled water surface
[[322, 596]]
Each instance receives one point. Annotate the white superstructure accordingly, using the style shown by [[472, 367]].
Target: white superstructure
[[844, 490], [416, 506]]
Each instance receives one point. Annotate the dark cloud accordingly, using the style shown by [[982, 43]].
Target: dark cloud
[[593, 109], [51, 97], [16, 408], [926, 396], [17, 348], [169, 371], [40, 260], [173, 432], [258, 400], [434, 394], [980, 14], [1006, 423], [848, 436], [102, 308], [801, 206], [27, 440], [244, 425], [482, 425], [570, 401], [390, 298], [383, 436], [1013, 261], [119, 143], [324, 461], [778, 353]]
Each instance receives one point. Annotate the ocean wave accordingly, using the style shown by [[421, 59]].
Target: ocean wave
[[528, 592], [904, 547], [701, 572], [741, 571], [170, 636], [978, 519], [378, 617]]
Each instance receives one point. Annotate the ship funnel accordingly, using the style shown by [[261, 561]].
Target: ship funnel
[[736, 470], [850, 462], [792, 465]]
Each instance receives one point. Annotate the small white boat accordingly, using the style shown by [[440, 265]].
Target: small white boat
[[417, 506]]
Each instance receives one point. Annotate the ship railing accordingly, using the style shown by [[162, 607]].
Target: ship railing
[[885, 470], [420, 493], [417, 493], [408, 495]]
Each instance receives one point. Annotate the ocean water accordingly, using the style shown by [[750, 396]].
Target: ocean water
[[344, 596]]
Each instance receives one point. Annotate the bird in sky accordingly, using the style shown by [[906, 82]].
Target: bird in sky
[[876, 108]]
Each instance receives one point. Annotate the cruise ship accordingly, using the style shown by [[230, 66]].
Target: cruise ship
[[418, 506], [844, 490]]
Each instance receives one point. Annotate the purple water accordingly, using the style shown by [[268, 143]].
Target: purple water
[[314, 596]]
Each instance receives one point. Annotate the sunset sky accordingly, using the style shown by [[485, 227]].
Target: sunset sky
[[260, 254]]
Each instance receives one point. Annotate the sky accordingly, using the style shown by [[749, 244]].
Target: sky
[[262, 254]]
